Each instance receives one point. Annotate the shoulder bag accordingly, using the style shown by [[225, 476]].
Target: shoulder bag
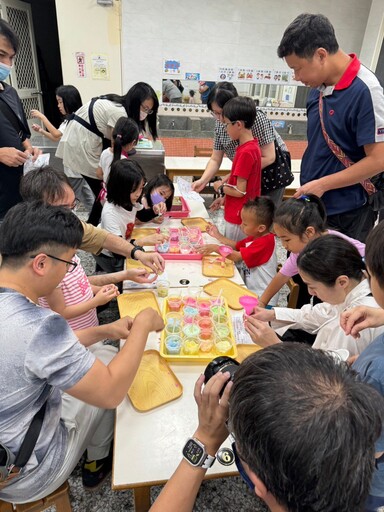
[[278, 174]]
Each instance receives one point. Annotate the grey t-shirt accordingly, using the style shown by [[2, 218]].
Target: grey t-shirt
[[40, 358]]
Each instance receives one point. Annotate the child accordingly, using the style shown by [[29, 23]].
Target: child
[[159, 187], [370, 364], [68, 101], [244, 181], [340, 284], [256, 252], [296, 223]]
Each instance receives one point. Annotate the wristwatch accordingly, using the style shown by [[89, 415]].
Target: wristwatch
[[194, 452], [136, 248], [220, 190]]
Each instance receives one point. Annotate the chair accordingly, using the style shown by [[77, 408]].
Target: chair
[[294, 289], [199, 151], [59, 499]]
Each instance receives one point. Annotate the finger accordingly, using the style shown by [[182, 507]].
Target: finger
[[197, 388], [214, 386], [224, 400]]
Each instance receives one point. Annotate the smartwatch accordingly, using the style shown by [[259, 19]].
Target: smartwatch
[[220, 190], [136, 248], [194, 452]]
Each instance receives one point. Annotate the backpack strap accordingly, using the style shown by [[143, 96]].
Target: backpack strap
[[91, 126]]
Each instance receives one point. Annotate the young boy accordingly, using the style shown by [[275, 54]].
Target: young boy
[[244, 181], [370, 363], [255, 254]]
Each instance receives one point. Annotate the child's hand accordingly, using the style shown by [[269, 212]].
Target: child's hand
[[217, 204], [36, 113], [106, 294], [37, 128], [159, 220], [206, 249], [159, 208], [213, 231]]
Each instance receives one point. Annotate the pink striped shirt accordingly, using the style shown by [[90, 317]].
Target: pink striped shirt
[[76, 289]]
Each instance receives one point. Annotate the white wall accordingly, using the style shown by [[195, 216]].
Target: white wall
[[87, 27], [374, 33], [206, 34]]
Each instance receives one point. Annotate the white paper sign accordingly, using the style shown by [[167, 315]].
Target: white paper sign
[[185, 189]]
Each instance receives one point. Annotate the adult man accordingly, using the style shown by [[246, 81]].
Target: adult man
[[352, 104], [52, 186], [15, 147], [294, 413], [43, 361]]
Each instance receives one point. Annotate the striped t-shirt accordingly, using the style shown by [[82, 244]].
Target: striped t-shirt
[[76, 289]]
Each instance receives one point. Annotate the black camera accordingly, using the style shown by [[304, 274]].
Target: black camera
[[221, 364]]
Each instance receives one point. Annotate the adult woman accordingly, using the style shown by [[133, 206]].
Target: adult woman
[[82, 143], [332, 268], [222, 144]]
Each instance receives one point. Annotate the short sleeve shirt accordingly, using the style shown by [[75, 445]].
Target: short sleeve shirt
[[119, 221]]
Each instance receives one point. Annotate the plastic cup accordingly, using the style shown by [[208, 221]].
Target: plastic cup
[[190, 314], [164, 247], [206, 328], [206, 345], [164, 231], [249, 303], [174, 234], [223, 345], [222, 331], [204, 307], [173, 344], [174, 248], [218, 312], [174, 301], [191, 331], [173, 322], [162, 288], [191, 346], [185, 248]]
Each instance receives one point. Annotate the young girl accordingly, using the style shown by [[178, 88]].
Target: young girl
[[68, 101], [296, 223], [332, 268], [157, 199]]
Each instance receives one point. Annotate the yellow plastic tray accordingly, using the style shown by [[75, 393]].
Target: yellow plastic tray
[[201, 357], [197, 222], [130, 304], [130, 264], [230, 290], [140, 232], [155, 383], [244, 350], [212, 267]]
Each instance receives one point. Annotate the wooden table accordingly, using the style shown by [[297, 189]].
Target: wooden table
[[192, 166]]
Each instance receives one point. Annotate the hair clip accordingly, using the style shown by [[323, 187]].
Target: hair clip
[[118, 136], [305, 198]]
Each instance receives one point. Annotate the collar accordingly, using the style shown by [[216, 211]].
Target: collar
[[354, 296], [345, 81]]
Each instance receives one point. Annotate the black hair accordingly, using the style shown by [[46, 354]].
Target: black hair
[[33, 226], [132, 102], [221, 93], [296, 215], [158, 181], [263, 208], [306, 34], [330, 256], [374, 253], [125, 177], [71, 98], [297, 415], [191, 93], [10, 35], [125, 132], [44, 184], [241, 108]]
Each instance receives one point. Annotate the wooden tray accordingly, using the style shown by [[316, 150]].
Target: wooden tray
[[140, 232], [214, 268], [244, 350], [155, 383], [129, 264], [130, 304], [231, 291], [197, 222]]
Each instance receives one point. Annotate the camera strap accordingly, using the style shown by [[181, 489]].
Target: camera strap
[[27, 446]]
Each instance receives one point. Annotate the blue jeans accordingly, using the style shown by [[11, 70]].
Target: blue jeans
[[373, 503]]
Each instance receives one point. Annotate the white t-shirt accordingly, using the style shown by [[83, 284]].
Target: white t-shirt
[[118, 221], [68, 172]]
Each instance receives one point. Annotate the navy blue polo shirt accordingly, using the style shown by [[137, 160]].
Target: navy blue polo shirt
[[353, 114]]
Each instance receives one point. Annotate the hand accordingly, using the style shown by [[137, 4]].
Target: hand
[[150, 319], [198, 185], [160, 208], [152, 260], [354, 320], [158, 220], [217, 184], [120, 328], [12, 157], [106, 294], [260, 332], [36, 152], [212, 410], [139, 275], [315, 187], [265, 315], [37, 128], [213, 231], [217, 204], [206, 249], [37, 113], [157, 238]]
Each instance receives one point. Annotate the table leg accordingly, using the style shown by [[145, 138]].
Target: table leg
[[142, 497]]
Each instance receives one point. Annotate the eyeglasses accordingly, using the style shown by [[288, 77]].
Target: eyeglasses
[[71, 265], [240, 468], [216, 115], [147, 110], [71, 206], [231, 122]]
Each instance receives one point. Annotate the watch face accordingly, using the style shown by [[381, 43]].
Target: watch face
[[193, 452]]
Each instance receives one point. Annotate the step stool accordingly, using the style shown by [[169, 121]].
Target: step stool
[[58, 498]]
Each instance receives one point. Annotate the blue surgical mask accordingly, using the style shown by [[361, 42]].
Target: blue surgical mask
[[4, 71]]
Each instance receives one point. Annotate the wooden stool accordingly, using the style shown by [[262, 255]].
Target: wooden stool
[[58, 498]]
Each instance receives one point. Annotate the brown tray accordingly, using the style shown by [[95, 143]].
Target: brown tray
[[230, 290], [212, 267], [155, 383], [129, 264], [140, 232], [197, 222], [244, 350], [130, 304]]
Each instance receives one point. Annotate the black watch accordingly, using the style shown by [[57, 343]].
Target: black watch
[[220, 190], [136, 248]]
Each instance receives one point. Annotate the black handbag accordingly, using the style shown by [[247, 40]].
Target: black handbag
[[278, 174]]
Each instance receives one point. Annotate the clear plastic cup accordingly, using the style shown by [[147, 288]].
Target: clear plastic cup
[[223, 345], [206, 345], [173, 323], [191, 346], [222, 331], [185, 248], [191, 331], [174, 301], [162, 286], [173, 344]]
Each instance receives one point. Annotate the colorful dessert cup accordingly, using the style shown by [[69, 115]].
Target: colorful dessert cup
[[191, 346], [173, 344], [223, 345], [162, 287]]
